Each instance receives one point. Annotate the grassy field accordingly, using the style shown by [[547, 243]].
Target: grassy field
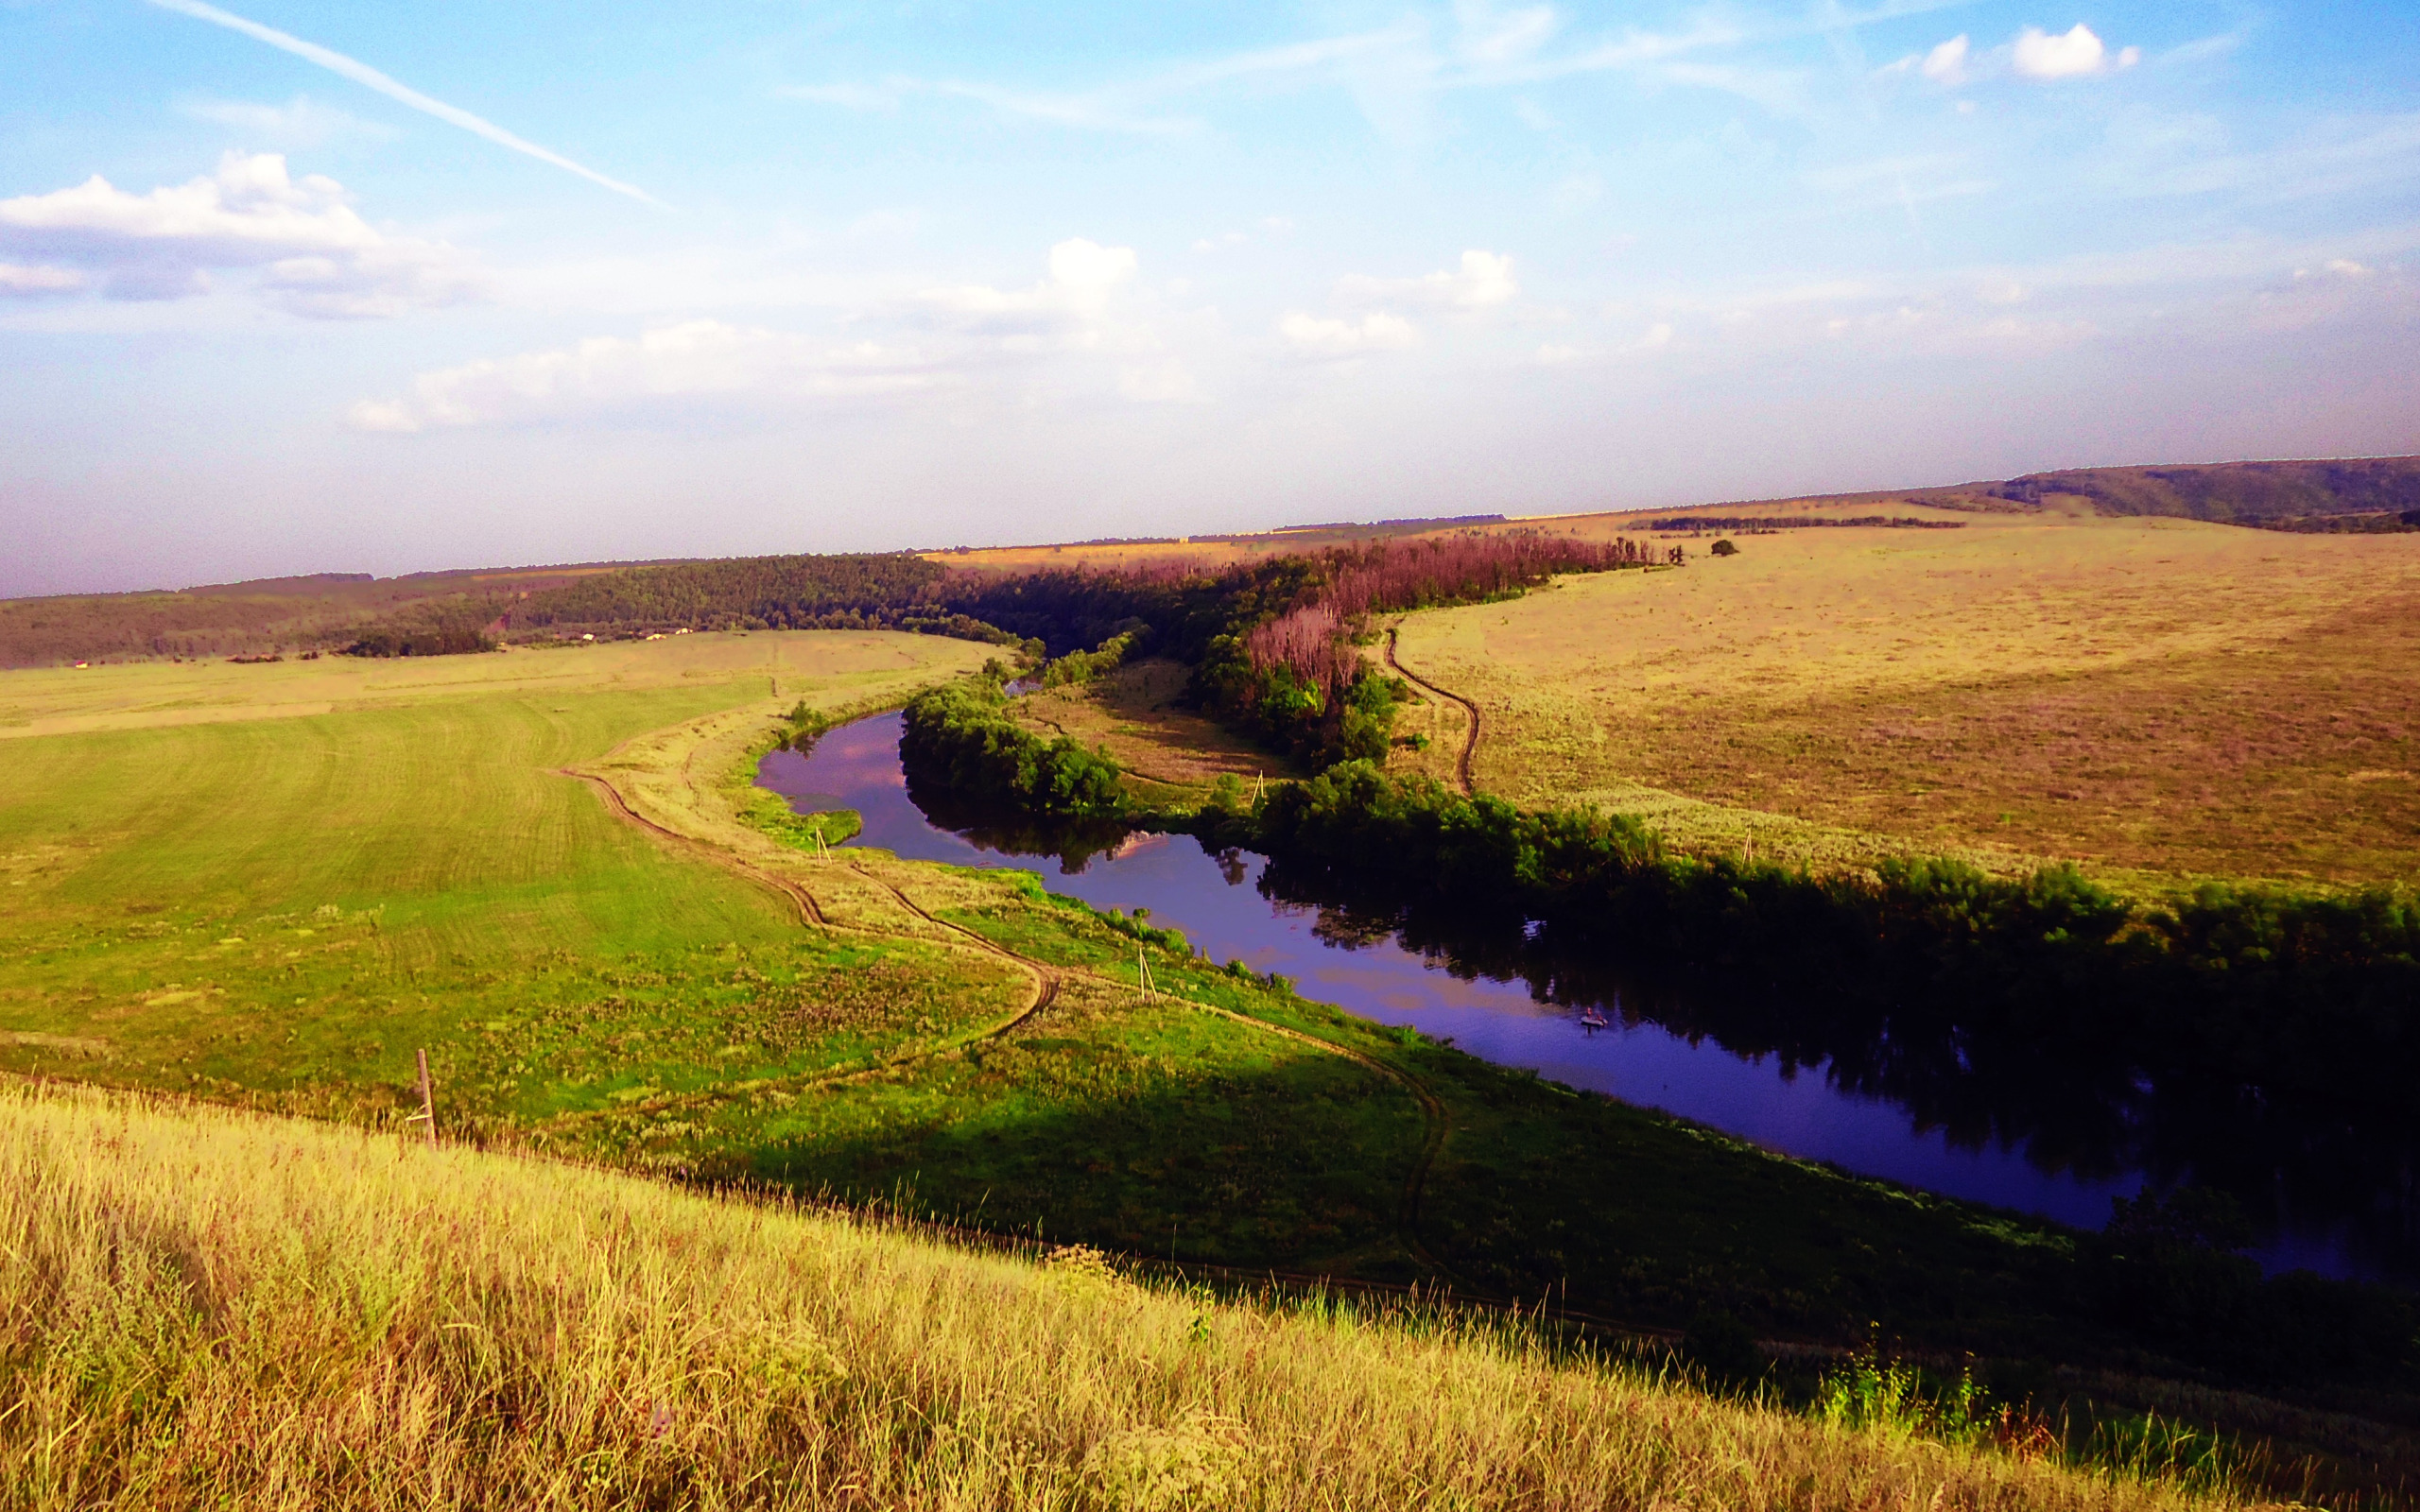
[[204, 1310], [1137, 713], [268, 885], [215, 888], [2152, 698], [277, 882]]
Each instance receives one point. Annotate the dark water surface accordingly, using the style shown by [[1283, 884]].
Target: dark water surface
[[1975, 1122]]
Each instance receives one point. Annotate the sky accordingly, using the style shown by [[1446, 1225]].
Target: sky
[[293, 286]]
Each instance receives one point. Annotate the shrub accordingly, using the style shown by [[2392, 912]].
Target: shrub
[[961, 737]]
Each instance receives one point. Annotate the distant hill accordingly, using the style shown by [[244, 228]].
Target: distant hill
[[2272, 494], [2377, 493], [322, 611], [329, 610]]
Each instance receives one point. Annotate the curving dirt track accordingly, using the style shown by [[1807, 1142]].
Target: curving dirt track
[[1045, 979], [1470, 712], [809, 912]]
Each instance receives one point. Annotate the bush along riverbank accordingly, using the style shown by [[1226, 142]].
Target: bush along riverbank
[[2286, 999], [1273, 644], [2300, 995], [960, 738]]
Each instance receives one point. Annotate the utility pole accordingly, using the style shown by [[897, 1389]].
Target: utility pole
[[428, 1115]]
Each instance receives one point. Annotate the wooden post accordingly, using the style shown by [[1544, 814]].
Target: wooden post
[[1143, 974], [427, 1101]]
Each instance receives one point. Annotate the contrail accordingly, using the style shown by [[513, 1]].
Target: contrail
[[361, 73]]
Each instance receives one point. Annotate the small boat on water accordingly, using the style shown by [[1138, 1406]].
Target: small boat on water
[[1591, 1018]]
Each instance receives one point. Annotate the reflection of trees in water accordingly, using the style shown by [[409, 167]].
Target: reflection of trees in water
[[1076, 843], [2067, 1094]]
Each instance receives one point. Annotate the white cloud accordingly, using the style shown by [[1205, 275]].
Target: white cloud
[[695, 359], [2035, 54], [2077, 53], [1084, 325], [1326, 336], [1946, 63], [16, 280], [300, 122], [309, 250], [1166, 382], [1483, 281], [1084, 278], [2338, 267]]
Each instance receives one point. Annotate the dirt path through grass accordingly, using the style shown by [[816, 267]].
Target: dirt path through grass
[[681, 748], [1470, 715]]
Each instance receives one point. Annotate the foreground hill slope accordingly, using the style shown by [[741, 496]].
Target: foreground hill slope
[[204, 1309]]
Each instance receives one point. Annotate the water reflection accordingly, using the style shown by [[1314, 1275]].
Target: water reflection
[[1914, 1093]]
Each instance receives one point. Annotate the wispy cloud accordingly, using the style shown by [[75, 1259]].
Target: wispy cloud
[[1099, 111], [692, 361], [369, 77], [1385, 69], [1327, 336], [300, 122], [22, 282], [1079, 325], [1482, 281]]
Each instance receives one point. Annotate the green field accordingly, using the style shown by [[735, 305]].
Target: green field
[[283, 906], [268, 887], [278, 911]]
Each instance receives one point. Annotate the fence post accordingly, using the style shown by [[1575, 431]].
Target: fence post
[[427, 1101]]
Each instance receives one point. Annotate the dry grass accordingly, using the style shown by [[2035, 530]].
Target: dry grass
[[1133, 710], [2150, 697], [205, 1308]]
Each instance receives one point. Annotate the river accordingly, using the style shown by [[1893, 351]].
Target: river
[[2055, 1141]]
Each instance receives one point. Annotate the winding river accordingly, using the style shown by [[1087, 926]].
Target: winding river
[[1975, 1122]]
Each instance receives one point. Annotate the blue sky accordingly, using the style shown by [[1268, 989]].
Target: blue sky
[[289, 287]]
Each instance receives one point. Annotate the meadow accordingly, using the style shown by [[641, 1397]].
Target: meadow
[[204, 1309], [2155, 698], [268, 885], [539, 867], [275, 883]]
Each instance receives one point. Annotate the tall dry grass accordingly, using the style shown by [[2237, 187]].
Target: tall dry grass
[[206, 1309]]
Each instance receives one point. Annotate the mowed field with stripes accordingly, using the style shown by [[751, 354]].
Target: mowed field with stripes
[[277, 882]]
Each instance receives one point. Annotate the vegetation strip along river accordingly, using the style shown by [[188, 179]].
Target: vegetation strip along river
[[1650, 1053]]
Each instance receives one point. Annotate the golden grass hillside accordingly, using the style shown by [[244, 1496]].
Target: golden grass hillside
[[2149, 697], [203, 1309]]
